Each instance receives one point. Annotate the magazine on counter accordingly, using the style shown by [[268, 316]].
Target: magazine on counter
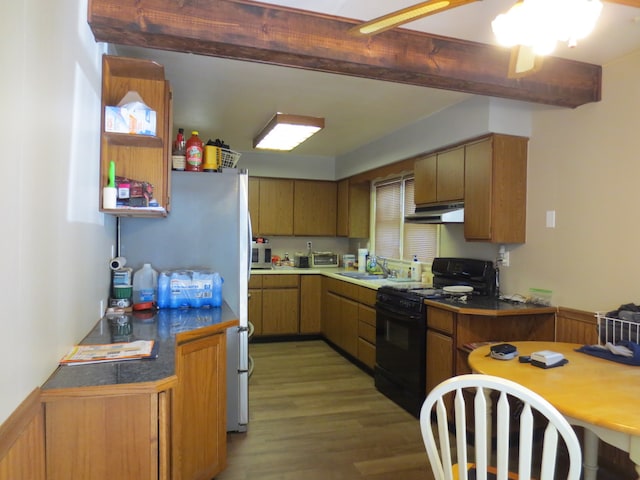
[[110, 352]]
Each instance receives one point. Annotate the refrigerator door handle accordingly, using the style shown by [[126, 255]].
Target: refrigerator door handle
[[249, 243]]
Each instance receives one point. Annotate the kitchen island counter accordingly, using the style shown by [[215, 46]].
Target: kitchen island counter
[[493, 307], [165, 327]]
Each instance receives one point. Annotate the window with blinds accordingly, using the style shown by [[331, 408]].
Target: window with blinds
[[392, 237]]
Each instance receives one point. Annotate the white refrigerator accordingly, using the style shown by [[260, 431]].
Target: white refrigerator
[[208, 226]]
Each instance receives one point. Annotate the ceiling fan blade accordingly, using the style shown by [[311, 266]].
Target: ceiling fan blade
[[406, 15], [523, 62], [629, 3]]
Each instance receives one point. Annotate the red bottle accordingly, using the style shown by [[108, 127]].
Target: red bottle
[[194, 153]]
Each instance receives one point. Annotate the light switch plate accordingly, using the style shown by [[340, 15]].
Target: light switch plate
[[551, 219]]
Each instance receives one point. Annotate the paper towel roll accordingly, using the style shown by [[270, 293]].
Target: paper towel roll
[[362, 259], [117, 263], [109, 197]]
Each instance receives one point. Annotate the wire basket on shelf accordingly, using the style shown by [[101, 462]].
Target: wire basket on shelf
[[228, 158], [613, 330]]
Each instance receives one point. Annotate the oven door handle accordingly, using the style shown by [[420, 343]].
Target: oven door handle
[[400, 316]]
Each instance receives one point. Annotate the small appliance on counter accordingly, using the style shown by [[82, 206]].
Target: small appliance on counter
[[324, 259], [260, 253], [301, 261]]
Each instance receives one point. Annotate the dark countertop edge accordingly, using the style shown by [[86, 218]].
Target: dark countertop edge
[[334, 272], [520, 309]]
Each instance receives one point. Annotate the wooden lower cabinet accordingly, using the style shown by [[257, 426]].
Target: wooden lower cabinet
[[348, 319], [280, 304], [103, 437], [448, 332], [199, 409], [171, 430], [310, 304]]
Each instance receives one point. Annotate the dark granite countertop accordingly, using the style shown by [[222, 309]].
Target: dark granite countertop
[[161, 326], [490, 306]]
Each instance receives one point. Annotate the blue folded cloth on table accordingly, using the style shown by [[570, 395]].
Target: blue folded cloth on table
[[604, 352]]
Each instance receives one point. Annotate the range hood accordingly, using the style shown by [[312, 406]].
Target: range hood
[[440, 213]]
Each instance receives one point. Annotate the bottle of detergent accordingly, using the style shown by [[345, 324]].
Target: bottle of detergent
[[145, 284]]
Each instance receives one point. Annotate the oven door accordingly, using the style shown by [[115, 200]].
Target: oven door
[[400, 371]]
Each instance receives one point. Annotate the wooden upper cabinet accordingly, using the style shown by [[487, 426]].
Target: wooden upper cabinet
[[440, 177], [137, 157], [353, 216], [425, 172], [496, 189], [276, 207], [314, 207], [254, 203], [450, 180]]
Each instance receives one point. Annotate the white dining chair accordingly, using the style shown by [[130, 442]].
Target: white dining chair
[[445, 412]]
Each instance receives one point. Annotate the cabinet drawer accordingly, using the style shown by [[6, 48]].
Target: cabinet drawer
[[344, 289], [440, 320], [367, 296], [280, 281], [255, 281], [366, 353], [367, 332], [367, 315]]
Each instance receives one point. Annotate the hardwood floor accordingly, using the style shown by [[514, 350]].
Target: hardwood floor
[[314, 415]]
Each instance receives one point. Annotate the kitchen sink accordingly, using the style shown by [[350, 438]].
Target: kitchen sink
[[361, 275]]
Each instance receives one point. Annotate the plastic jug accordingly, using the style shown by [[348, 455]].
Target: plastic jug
[[145, 284]]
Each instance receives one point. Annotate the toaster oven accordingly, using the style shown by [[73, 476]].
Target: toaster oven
[[324, 259]]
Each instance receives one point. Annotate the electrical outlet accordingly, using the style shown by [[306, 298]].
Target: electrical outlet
[[505, 259], [309, 245]]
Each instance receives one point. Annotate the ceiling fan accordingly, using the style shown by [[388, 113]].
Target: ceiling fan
[[526, 57]]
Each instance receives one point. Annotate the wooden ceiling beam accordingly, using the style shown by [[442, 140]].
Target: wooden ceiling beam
[[258, 32]]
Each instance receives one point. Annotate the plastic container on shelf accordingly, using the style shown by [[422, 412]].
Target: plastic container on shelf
[[145, 284]]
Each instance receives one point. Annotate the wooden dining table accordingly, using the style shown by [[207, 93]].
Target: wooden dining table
[[600, 395]]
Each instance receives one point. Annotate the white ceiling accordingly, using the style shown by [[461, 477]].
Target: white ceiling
[[232, 100]]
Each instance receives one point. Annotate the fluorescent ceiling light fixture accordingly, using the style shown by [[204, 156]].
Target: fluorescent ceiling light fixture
[[285, 132], [540, 24]]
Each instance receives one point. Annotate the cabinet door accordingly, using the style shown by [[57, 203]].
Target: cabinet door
[[342, 214], [310, 303], [439, 358], [314, 208], [359, 210], [450, 176], [280, 311], [254, 312], [254, 203], [331, 317], [103, 437], [348, 326], [478, 191], [199, 414], [276, 207], [425, 172]]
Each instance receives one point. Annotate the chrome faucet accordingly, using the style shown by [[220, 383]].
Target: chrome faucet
[[383, 265]]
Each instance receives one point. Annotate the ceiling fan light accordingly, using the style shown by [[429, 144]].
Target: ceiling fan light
[[540, 24], [285, 132]]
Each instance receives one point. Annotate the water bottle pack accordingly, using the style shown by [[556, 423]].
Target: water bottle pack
[[189, 288]]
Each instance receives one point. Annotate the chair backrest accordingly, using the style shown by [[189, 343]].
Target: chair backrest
[[515, 407]]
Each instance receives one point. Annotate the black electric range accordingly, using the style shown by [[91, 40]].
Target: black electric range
[[400, 370]]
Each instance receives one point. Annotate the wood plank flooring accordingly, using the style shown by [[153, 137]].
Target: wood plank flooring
[[314, 415]]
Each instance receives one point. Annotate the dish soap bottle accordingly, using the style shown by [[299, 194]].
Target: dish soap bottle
[[416, 271]]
